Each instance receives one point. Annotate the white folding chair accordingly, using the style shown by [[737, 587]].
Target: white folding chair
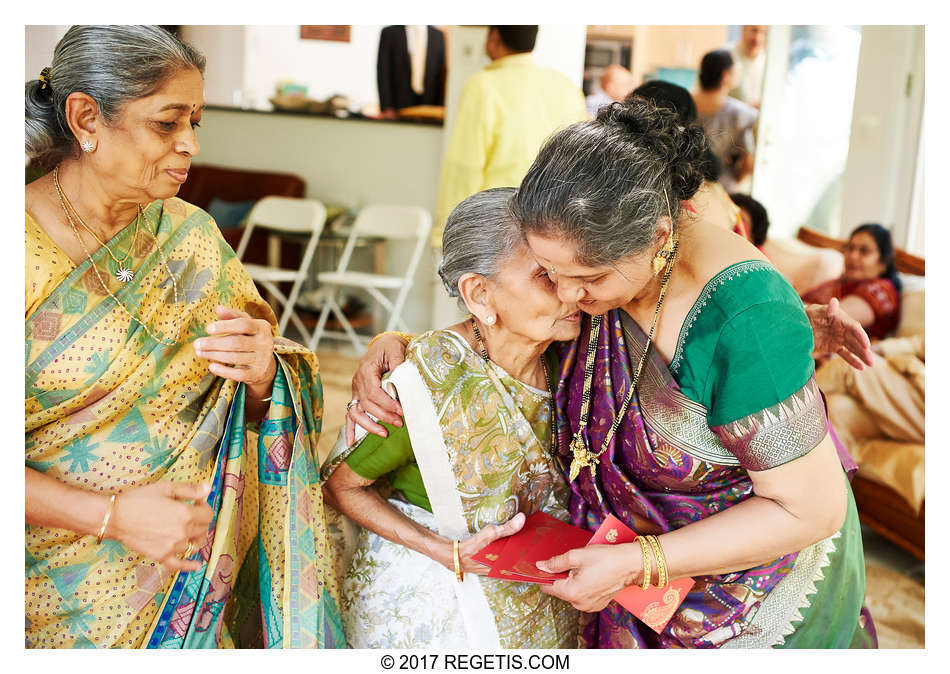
[[388, 222], [291, 216]]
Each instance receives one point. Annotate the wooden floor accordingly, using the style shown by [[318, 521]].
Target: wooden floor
[[895, 589]]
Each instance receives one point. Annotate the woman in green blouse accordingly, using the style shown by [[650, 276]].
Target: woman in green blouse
[[688, 407], [475, 452]]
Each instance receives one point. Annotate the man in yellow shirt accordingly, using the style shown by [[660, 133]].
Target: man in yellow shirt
[[505, 113]]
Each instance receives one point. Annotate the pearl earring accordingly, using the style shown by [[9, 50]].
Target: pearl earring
[[87, 145], [490, 319]]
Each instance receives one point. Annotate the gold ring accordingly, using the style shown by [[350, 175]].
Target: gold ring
[[188, 551]]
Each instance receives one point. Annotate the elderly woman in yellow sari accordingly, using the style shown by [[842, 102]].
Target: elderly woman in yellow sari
[[474, 455], [153, 518]]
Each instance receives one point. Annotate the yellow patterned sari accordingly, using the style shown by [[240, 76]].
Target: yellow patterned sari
[[109, 408]]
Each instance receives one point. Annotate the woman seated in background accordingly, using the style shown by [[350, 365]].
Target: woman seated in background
[[149, 351], [476, 450], [869, 289]]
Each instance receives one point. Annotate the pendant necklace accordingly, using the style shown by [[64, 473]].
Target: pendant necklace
[[124, 273]]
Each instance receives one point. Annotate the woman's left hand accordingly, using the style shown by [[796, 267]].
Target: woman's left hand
[[240, 348], [597, 574]]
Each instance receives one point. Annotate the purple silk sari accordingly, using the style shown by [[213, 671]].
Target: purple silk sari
[[648, 481]]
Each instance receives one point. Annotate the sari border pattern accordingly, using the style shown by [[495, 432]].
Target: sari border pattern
[[778, 434], [783, 606]]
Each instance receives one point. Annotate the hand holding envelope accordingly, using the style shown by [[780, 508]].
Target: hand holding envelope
[[582, 569]]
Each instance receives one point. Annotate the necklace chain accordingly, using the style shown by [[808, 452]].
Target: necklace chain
[[582, 455], [102, 282], [64, 202], [547, 380]]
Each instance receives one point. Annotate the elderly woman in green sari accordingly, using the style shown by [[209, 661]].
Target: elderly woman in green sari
[[152, 519], [474, 454]]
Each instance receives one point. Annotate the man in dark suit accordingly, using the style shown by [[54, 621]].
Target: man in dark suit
[[400, 86]]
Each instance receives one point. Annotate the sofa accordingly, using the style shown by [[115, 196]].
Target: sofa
[[889, 485]]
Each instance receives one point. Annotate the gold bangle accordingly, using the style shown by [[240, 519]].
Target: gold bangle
[[645, 549], [459, 576], [661, 580], [404, 336], [105, 520]]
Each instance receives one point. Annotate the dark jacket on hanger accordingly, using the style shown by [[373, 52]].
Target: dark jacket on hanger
[[394, 72]]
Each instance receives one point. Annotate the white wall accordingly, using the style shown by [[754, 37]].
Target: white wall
[[224, 50], [277, 52], [40, 43], [881, 171]]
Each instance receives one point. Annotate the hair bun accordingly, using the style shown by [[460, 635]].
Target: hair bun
[[679, 144]]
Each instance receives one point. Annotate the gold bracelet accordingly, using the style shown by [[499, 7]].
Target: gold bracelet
[[404, 336], [661, 580], [645, 549], [105, 520], [459, 576], [247, 390]]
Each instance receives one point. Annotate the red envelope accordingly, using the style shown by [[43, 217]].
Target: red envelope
[[542, 537], [490, 553], [654, 606]]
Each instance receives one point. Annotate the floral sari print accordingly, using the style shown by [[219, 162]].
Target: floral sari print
[[109, 408]]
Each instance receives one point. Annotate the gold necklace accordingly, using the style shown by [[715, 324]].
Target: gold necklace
[[123, 273], [106, 285], [544, 368], [583, 457]]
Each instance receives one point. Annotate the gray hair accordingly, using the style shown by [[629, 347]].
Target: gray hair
[[480, 237], [113, 65], [603, 184]]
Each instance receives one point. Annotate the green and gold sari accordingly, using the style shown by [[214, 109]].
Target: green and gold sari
[[109, 408], [474, 451]]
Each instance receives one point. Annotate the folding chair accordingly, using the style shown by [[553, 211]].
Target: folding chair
[[289, 216], [389, 222]]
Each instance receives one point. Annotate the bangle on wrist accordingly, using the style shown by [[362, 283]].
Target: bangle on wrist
[[661, 573], [459, 575], [251, 395], [403, 336], [106, 518], [645, 550]]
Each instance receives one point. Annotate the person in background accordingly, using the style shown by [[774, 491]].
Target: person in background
[[676, 98], [729, 123], [755, 217], [869, 289], [749, 55], [615, 83], [505, 112], [410, 68]]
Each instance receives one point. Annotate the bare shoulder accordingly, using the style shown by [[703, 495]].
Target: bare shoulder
[[712, 249]]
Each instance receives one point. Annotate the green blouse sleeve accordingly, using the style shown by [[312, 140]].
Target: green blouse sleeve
[[393, 457], [376, 456], [762, 356]]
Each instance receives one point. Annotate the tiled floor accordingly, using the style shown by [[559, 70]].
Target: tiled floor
[[895, 579]]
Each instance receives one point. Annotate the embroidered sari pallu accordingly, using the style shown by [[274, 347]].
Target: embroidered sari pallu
[[108, 408], [667, 468], [480, 439]]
